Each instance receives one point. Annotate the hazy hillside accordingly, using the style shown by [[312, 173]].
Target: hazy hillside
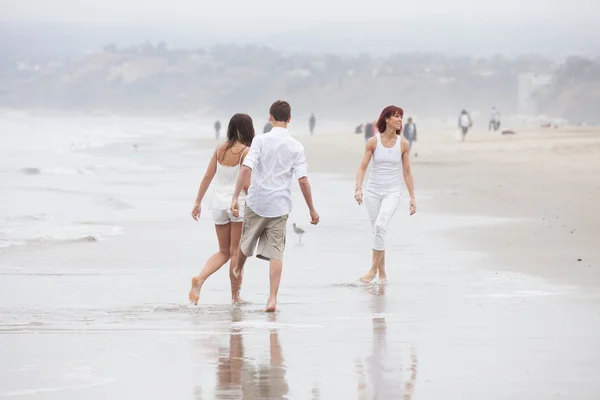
[[223, 79]]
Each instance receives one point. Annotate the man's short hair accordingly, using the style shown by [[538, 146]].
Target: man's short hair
[[281, 111]]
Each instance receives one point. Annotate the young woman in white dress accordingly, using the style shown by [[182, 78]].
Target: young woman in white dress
[[223, 171]]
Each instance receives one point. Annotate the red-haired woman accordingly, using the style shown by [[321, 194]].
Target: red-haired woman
[[391, 161]]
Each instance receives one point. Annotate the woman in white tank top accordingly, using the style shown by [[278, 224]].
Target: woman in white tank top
[[390, 154], [222, 172]]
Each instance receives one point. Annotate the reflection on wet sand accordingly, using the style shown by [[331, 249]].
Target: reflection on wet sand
[[380, 367], [241, 377]]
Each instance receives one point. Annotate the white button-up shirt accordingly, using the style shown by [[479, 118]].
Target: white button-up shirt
[[275, 158]]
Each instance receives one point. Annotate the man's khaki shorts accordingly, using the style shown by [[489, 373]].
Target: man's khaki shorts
[[268, 232]]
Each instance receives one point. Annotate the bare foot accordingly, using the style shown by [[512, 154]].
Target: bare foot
[[382, 279], [194, 295], [271, 304], [238, 300], [369, 277]]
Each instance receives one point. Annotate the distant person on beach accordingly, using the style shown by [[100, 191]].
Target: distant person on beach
[[391, 159], [224, 169], [312, 121], [410, 132], [273, 161], [267, 127], [464, 123], [217, 129], [370, 129], [494, 120]]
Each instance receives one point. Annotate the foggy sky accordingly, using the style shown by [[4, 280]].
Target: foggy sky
[[503, 26], [296, 13]]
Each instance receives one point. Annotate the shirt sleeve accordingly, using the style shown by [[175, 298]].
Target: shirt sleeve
[[300, 165], [253, 154]]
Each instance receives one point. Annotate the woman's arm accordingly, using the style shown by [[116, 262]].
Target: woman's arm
[[211, 170], [362, 168], [408, 177]]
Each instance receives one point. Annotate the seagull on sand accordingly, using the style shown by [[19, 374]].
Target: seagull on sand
[[298, 231]]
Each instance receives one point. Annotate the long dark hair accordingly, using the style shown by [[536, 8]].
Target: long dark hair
[[389, 111], [240, 129]]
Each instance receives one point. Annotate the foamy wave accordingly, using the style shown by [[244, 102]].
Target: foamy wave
[[140, 168], [6, 244], [28, 392], [56, 171], [24, 235]]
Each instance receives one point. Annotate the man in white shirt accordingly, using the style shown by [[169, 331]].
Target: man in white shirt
[[273, 161]]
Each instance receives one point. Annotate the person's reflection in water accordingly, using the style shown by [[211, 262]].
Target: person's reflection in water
[[238, 377], [272, 380], [385, 377], [231, 366]]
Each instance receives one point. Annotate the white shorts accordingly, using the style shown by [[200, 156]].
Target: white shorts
[[223, 217]]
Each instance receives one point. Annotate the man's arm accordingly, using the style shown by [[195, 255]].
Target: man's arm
[[247, 182], [300, 170], [250, 161], [243, 178]]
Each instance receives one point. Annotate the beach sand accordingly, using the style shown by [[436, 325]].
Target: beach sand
[[486, 297]]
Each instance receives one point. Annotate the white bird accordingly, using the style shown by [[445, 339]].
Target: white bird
[[298, 231]]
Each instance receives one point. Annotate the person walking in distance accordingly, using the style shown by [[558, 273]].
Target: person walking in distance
[[217, 129], [391, 159], [312, 121], [410, 132], [494, 120], [223, 170], [464, 123], [273, 161]]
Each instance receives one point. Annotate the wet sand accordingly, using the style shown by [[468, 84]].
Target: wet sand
[[484, 299]]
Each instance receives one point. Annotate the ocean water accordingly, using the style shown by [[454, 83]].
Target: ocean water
[[97, 249]]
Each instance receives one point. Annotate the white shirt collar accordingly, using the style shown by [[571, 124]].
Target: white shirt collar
[[278, 129]]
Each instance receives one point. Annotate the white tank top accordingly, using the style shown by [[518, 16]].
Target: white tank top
[[224, 183], [386, 174]]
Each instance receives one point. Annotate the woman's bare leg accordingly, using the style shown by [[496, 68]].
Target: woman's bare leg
[[381, 268], [377, 257], [215, 262]]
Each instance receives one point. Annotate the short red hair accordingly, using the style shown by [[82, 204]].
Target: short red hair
[[388, 112]]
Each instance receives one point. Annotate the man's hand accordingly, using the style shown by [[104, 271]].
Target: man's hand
[[235, 207], [196, 212], [314, 217], [413, 206]]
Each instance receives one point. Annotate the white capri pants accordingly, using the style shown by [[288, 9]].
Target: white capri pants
[[381, 209]]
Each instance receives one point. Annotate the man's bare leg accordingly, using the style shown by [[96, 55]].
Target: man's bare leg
[[236, 233], [213, 264], [377, 255], [235, 275], [275, 268]]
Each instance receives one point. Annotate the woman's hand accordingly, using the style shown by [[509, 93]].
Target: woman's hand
[[196, 211], [413, 206], [358, 196]]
